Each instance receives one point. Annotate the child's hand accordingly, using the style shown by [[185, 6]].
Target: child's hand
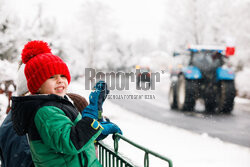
[[108, 128], [96, 99], [102, 88]]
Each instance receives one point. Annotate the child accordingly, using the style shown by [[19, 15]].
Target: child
[[58, 134]]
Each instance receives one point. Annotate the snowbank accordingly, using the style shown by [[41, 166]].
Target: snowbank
[[242, 83]]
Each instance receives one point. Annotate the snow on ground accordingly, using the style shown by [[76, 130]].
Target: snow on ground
[[184, 148], [242, 100]]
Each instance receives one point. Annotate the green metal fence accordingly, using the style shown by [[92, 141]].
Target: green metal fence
[[111, 158]]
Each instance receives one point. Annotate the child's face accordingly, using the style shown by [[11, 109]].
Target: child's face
[[56, 84]]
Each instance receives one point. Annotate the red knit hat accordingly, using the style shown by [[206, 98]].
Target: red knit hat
[[41, 64]]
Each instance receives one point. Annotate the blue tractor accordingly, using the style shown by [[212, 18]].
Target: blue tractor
[[205, 77]]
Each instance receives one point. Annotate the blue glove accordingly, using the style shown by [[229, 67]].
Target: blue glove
[[108, 128], [96, 99]]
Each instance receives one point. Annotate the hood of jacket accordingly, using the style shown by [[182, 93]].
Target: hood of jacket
[[24, 109]]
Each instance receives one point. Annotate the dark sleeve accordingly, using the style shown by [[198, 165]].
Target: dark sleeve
[[84, 130]]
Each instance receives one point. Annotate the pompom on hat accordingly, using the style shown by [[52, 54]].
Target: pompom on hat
[[41, 64]]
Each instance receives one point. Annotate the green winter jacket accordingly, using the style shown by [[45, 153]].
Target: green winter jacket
[[58, 134]]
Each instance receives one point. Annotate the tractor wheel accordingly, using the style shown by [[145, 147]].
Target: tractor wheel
[[186, 94], [226, 96], [172, 95]]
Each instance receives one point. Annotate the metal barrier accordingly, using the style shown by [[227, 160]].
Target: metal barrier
[[108, 158], [111, 158]]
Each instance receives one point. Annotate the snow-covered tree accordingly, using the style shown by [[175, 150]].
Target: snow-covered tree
[[95, 27], [186, 23], [207, 22], [9, 32], [16, 30]]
